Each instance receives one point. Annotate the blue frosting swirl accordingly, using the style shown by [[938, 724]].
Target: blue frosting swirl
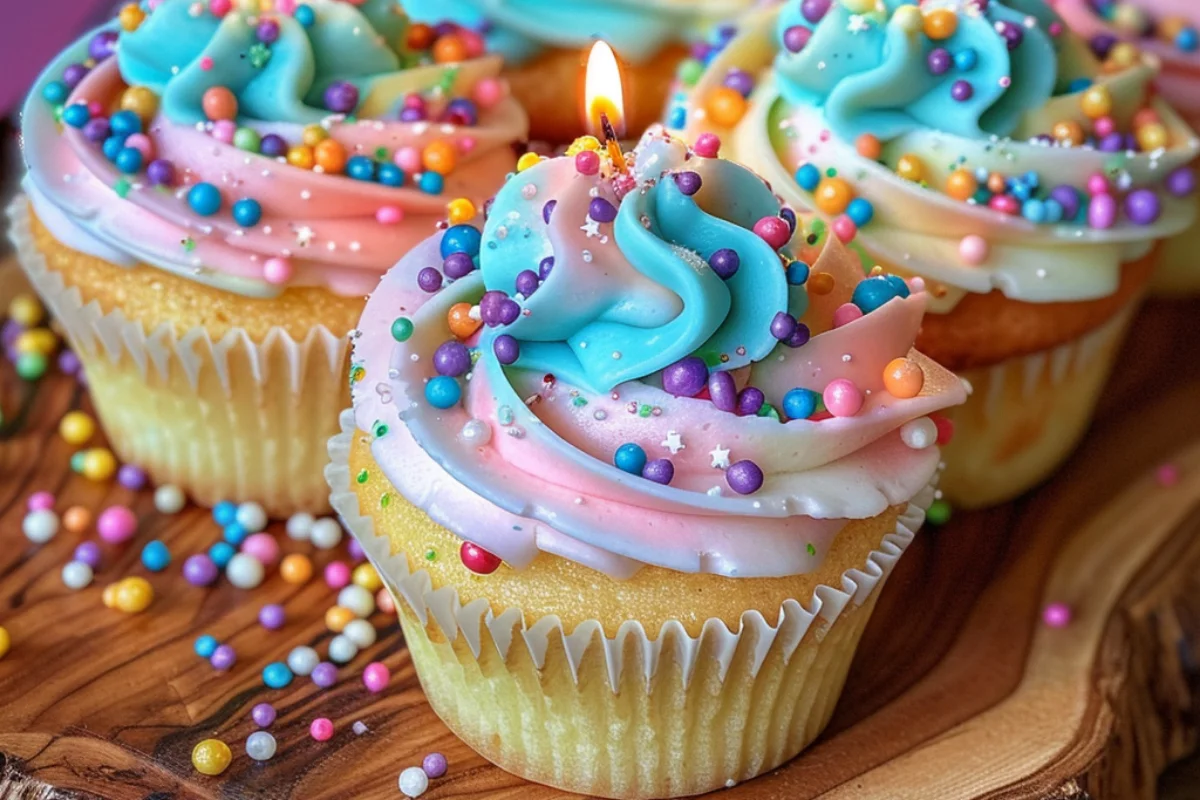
[[282, 82], [520, 29], [623, 313], [873, 76]]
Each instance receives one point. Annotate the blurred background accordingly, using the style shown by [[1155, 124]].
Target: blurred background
[[35, 30]]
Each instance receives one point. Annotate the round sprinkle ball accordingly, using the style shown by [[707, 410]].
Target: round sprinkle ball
[[244, 571], [260, 746], [155, 556], [205, 646], [200, 570], [276, 675], [843, 398], [413, 782], [1057, 615], [40, 526], [169, 499], [116, 524], [76, 574], [376, 677], [133, 595], [302, 661], [5, 641], [903, 378], [321, 729], [434, 765], [211, 757], [296, 568]]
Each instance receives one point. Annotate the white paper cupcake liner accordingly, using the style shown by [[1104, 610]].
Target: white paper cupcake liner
[[226, 419], [455, 619]]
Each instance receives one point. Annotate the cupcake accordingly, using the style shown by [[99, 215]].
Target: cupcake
[[544, 46], [1166, 30], [212, 192], [637, 481], [981, 146]]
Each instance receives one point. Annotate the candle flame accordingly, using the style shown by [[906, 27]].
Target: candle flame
[[603, 93]]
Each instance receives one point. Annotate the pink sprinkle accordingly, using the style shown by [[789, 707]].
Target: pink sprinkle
[[41, 501], [842, 398], [384, 602], [845, 229], [337, 575], [587, 162], [708, 145], [1005, 82], [1055, 28], [488, 92], [1103, 126], [973, 249], [408, 159], [285, 6], [376, 677], [466, 144], [262, 547], [321, 729], [206, 63], [219, 8], [223, 130], [845, 314], [389, 215], [774, 231], [277, 270], [96, 109], [1057, 615], [945, 429], [142, 143], [1167, 475], [116, 524]]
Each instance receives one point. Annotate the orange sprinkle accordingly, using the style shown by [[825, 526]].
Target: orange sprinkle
[[459, 319], [903, 378]]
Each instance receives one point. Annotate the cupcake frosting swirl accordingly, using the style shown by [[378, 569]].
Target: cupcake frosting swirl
[[976, 143], [636, 29], [686, 457], [325, 145]]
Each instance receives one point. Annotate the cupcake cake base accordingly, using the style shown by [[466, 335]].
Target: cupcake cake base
[[225, 412]]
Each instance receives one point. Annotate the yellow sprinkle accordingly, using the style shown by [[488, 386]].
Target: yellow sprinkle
[[461, 210], [528, 160], [76, 428], [365, 576], [133, 595], [131, 17], [211, 757], [5, 641], [37, 340], [26, 310], [99, 464], [313, 135]]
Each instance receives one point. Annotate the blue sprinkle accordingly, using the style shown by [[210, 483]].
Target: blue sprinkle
[[305, 15], [443, 392], [128, 160], [966, 59], [112, 147], [431, 182], [360, 168], [1188, 40], [220, 553], [797, 273], [678, 117], [860, 211], [390, 175], [125, 123], [235, 533], [224, 513], [461, 239], [276, 675], [1078, 85], [205, 646], [205, 199], [873, 293], [55, 92], [76, 115], [630, 458], [800, 403], [1034, 210], [808, 176], [247, 212], [898, 284], [155, 556], [1054, 211]]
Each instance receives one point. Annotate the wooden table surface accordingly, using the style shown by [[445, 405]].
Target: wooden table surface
[[958, 690]]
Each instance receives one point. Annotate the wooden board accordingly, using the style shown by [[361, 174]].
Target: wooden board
[[958, 690]]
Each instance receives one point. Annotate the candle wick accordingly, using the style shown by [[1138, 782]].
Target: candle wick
[[612, 143]]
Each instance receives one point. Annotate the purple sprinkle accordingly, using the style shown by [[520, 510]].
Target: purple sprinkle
[[355, 551], [200, 570], [509, 310], [660, 470], [341, 97], [796, 37], [267, 31], [461, 111], [788, 216], [272, 145], [1102, 43], [962, 91], [783, 325], [725, 263], [452, 358], [272, 616], [527, 282], [489, 307], [9, 332], [602, 210], [1182, 182], [102, 45], [131, 476], [1112, 143], [96, 130], [1012, 33], [429, 279], [507, 349], [725, 33], [223, 657], [410, 114], [688, 182], [324, 675], [545, 266], [939, 61], [88, 553], [263, 714], [1102, 212], [161, 172], [686, 377], [799, 337], [740, 81], [548, 209], [445, 28], [701, 51], [744, 477], [723, 391], [73, 74], [1142, 206], [815, 10], [750, 400], [458, 265], [68, 362], [434, 765], [1068, 198]]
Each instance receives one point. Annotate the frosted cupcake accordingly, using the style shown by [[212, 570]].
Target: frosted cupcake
[[979, 145], [641, 461], [1166, 30], [544, 44], [210, 195]]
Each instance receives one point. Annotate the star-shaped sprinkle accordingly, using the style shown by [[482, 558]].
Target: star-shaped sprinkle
[[591, 228], [858, 23], [304, 236], [673, 442], [720, 457]]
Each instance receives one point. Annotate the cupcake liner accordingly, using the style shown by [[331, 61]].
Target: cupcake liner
[[12, 281], [627, 715], [1026, 415], [224, 419]]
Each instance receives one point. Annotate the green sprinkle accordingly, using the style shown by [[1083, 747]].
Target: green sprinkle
[[31, 366], [831, 172], [259, 54], [644, 410], [357, 373], [385, 500], [431, 554], [380, 429], [402, 329], [362, 476], [768, 410], [122, 187], [938, 513], [381, 154], [690, 71], [189, 244], [77, 460], [579, 402], [811, 548]]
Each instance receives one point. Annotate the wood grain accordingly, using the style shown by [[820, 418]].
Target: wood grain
[[958, 691]]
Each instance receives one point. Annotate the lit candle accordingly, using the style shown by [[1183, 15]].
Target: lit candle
[[604, 100]]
